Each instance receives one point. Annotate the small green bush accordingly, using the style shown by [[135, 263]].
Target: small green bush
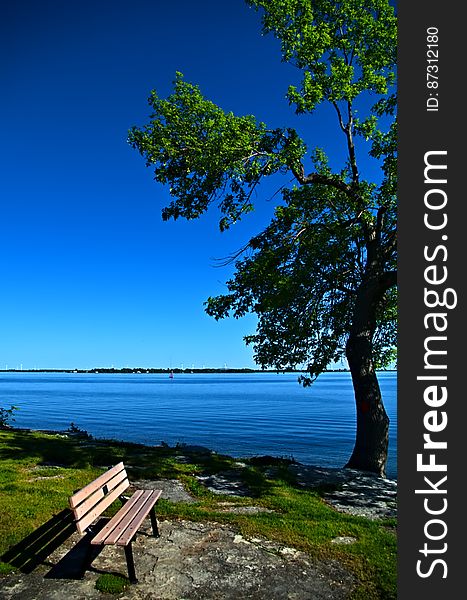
[[112, 584], [6, 416], [78, 432]]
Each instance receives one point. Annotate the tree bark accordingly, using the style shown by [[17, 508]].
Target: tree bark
[[370, 452], [371, 444]]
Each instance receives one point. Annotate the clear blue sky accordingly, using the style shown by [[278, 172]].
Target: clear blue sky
[[91, 276]]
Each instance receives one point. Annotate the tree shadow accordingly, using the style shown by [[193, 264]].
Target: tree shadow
[[57, 450]]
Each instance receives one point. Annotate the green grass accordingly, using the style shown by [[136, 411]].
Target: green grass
[[112, 584], [39, 472]]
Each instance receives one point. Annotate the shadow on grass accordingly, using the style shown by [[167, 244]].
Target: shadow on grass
[[220, 473], [63, 451], [36, 548]]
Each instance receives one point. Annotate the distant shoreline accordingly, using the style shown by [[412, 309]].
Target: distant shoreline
[[175, 371]]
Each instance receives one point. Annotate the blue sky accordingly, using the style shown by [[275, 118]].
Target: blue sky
[[91, 276]]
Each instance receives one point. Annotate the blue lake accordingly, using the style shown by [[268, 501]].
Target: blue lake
[[236, 414]]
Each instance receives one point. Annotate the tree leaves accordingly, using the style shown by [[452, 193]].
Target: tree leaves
[[327, 259], [343, 48], [208, 155]]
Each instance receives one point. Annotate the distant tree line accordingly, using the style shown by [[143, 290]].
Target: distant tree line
[[167, 371]]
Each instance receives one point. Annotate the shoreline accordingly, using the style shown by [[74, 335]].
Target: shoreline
[[161, 371], [314, 475]]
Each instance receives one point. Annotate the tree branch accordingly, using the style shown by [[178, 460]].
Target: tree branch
[[303, 179], [339, 116], [351, 145]]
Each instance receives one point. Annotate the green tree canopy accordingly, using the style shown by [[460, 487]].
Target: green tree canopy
[[321, 277]]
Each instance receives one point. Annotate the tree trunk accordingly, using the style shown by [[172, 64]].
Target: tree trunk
[[371, 445]]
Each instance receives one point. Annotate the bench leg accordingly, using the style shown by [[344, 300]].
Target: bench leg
[[130, 563], [155, 529]]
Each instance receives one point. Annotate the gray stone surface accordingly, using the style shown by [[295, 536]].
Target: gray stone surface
[[356, 492], [227, 483], [172, 489], [350, 491], [190, 561]]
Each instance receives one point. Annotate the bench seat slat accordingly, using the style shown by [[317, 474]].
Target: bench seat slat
[[130, 531], [123, 526], [115, 520]]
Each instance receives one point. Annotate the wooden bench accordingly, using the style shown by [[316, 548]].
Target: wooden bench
[[90, 502]]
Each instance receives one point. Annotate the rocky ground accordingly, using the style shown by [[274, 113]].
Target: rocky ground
[[357, 493], [199, 561]]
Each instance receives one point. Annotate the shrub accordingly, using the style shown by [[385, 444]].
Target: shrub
[[78, 432], [6, 416]]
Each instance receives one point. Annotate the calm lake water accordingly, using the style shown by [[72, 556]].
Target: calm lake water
[[236, 414]]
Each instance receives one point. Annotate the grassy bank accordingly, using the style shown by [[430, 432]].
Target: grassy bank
[[39, 471]]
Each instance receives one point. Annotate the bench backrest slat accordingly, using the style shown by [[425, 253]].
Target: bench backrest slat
[[95, 497], [92, 500], [83, 493]]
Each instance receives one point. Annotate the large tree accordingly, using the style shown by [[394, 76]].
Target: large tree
[[321, 277]]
